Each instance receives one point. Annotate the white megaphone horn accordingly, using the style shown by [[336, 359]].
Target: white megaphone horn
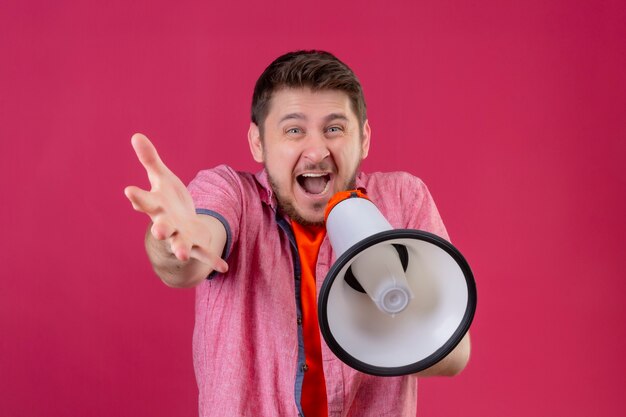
[[396, 301]]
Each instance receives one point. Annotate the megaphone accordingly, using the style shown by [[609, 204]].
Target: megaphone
[[396, 301]]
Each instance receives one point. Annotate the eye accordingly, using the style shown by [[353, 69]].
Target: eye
[[334, 130], [293, 131]]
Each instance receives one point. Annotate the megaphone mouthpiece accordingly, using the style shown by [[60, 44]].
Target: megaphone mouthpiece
[[380, 273]]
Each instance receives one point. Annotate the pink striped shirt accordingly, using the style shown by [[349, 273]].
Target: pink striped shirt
[[247, 343]]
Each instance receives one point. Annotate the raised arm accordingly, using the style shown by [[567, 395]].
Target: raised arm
[[183, 247]]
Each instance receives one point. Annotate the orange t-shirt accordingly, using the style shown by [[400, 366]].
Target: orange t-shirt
[[313, 402]]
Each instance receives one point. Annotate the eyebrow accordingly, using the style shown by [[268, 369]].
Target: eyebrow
[[297, 116], [301, 116], [335, 116]]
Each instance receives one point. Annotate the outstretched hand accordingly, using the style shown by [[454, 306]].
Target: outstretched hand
[[170, 207]]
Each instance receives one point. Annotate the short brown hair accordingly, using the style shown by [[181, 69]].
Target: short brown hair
[[317, 70]]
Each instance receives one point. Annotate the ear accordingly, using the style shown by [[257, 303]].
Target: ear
[[365, 140], [254, 140]]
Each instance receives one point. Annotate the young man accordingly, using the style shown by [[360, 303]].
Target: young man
[[257, 345]]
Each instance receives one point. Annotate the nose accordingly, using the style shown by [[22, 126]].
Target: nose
[[316, 149]]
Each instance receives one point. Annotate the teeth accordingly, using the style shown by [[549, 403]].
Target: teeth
[[313, 175]]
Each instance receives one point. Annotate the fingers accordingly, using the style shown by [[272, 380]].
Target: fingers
[[209, 258], [181, 247], [147, 155], [184, 250], [162, 229], [142, 200]]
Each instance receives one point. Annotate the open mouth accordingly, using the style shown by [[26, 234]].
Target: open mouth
[[314, 183]]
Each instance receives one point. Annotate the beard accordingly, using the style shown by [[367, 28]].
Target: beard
[[286, 204]]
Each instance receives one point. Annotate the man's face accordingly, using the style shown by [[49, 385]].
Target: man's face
[[312, 147]]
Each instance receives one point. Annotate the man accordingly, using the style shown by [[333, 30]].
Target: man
[[257, 346]]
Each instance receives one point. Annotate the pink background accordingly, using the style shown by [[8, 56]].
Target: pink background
[[513, 112]]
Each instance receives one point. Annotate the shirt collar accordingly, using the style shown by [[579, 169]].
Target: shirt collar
[[266, 194], [360, 181]]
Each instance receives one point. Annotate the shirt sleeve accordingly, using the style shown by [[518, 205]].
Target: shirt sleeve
[[218, 192]]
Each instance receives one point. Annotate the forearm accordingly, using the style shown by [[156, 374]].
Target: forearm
[[172, 271], [452, 364]]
